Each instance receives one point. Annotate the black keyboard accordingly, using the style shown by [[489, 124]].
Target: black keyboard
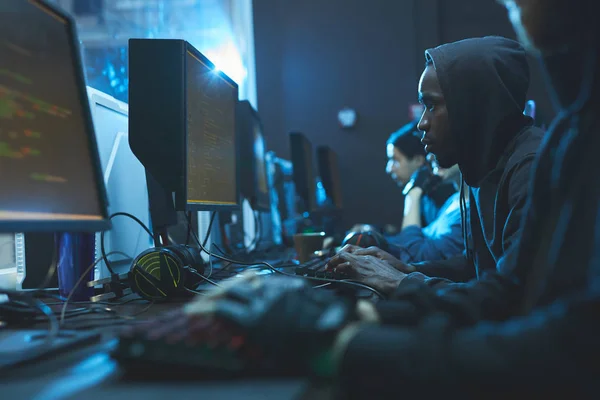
[[315, 269]]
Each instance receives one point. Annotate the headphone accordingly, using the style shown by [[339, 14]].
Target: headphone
[[164, 273], [366, 238]]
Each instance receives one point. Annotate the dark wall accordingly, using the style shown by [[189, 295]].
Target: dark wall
[[314, 57]]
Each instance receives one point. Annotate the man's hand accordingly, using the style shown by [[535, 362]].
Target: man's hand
[[369, 270], [424, 179], [375, 252]]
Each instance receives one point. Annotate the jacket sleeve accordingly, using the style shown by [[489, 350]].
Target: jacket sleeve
[[489, 298], [492, 297], [437, 274], [414, 244], [556, 345]]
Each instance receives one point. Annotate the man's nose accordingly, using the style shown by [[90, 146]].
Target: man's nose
[[388, 167], [423, 124]]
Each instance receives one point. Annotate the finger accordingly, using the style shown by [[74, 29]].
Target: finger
[[402, 267], [345, 269], [349, 248], [334, 261], [243, 292], [349, 257], [339, 258], [369, 251], [234, 312]]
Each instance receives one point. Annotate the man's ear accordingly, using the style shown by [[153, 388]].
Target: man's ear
[[420, 160]]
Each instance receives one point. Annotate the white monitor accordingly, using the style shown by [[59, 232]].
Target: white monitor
[[125, 180], [8, 268]]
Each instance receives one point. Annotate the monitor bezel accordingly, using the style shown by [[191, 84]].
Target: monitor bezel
[[209, 206], [331, 159], [312, 205], [43, 225], [257, 206], [255, 117]]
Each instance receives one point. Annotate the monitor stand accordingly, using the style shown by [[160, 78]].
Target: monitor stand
[[162, 210]]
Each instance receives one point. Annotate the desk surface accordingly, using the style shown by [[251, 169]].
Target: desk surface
[[89, 373]]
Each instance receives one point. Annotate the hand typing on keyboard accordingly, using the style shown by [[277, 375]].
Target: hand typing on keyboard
[[378, 253], [371, 270]]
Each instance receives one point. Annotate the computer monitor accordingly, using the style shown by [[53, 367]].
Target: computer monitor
[[182, 125], [49, 168], [330, 176], [252, 170], [125, 180], [284, 208], [304, 178]]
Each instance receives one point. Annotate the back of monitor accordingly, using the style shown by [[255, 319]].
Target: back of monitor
[[125, 180]]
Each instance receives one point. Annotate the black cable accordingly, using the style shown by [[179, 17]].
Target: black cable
[[102, 248], [205, 278], [90, 303], [356, 284], [188, 216], [118, 319], [221, 250]]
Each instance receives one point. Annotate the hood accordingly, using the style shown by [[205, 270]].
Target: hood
[[484, 82]]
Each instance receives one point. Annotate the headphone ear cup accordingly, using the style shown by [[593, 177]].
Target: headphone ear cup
[[191, 256], [196, 260], [380, 240], [157, 274], [193, 264]]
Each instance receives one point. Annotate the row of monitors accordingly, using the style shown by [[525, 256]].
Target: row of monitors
[[304, 177], [185, 126]]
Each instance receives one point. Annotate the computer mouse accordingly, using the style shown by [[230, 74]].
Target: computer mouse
[[366, 238]]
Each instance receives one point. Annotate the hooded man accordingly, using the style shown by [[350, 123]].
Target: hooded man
[[545, 343], [474, 93]]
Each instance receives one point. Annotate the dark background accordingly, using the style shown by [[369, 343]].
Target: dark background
[[314, 57]]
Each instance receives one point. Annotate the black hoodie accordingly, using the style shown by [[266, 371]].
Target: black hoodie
[[547, 341], [485, 83]]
